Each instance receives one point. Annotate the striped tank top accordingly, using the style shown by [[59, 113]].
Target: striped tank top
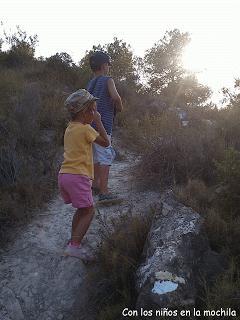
[[99, 88]]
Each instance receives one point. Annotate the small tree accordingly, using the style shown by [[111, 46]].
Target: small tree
[[163, 61], [21, 48], [61, 59], [61, 69], [123, 63], [166, 75]]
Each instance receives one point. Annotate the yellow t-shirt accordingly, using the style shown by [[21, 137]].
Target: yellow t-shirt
[[78, 158]]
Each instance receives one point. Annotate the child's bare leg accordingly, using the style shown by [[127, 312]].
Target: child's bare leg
[[103, 181], [96, 181], [80, 223]]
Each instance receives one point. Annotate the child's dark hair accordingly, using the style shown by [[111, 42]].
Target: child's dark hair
[[98, 59]]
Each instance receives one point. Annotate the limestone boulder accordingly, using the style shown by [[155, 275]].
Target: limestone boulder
[[173, 253]]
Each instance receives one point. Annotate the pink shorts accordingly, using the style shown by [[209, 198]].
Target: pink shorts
[[76, 189]]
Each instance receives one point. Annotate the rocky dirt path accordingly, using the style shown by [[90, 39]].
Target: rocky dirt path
[[36, 281]]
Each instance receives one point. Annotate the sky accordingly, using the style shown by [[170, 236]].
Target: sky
[[74, 26]]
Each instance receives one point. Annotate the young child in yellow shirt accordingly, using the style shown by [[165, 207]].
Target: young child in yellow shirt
[[76, 173]]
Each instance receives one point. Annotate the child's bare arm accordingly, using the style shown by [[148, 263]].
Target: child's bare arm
[[115, 95], [102, 139]]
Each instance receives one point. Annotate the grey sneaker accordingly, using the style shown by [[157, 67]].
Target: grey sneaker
[[107, 197]]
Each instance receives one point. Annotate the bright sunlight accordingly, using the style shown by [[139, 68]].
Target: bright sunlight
[[213, 53]]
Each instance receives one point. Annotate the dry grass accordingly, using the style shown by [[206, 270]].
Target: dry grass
[[223, 232], [119, 257], [178, 155], [225, 293], [32, 123], [217, 230], [195, 194]]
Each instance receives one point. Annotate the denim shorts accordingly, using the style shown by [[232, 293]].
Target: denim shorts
[[102, 155]]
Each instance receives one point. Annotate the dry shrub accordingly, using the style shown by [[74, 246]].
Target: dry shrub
[[228, 126], [32, 123], [11, 85], [140, 135], [119, 257], [28, 160], [233, 238], [174, 158], [217, 229], [32, 184], [195, 194], [52, 113], [228, 170], [225, 293], [224, 235]]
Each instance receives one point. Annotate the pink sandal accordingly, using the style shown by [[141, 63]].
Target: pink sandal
[[78, 252]]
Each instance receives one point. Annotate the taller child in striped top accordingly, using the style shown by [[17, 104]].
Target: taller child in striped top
[[109, 102]]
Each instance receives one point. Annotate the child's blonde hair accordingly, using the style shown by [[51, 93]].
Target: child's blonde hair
[[87, 106], [79, 101]]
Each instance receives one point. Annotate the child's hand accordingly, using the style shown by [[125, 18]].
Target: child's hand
[[97, 117]]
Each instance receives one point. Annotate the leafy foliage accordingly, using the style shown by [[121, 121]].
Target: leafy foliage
[[123, 65], [21, 48], [166, 75], [123, 62], [163, 60]]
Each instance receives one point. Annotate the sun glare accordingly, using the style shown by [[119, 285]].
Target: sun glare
[[213, 59], [198, 61], [192, 59]]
